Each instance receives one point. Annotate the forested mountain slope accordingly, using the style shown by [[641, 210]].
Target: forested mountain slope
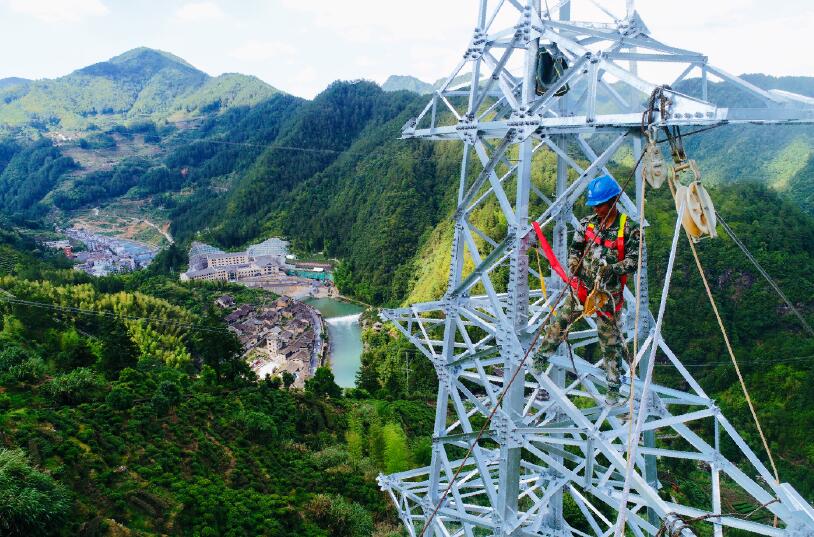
[[125, 409], [377, 197], [336, 179], [138, 84]]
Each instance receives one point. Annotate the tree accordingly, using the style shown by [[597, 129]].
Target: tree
[[31, 502], [12, 355], [322, 383], [273, 383], [74, 351], [30, 371], [288, 379], [166, 396], [340, 517], [355, 438], [259, 426], [118, 349], [396, 452], [120, 398], [20, 365], [375, 439], [220, 350]]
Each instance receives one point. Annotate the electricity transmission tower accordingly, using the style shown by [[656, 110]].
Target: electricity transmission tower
[[557, 464]]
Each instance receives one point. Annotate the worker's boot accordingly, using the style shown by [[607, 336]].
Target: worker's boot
[[613, 398], [539, 362]]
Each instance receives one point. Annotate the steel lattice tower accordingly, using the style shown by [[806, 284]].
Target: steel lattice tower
[[538, 451]]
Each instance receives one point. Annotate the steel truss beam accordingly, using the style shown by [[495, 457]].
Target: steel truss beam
[[538, 450]]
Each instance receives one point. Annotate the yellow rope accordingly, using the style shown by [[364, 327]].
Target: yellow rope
[[734, 362], [542, 281], [729, 348], [632, 361], [730, 351]]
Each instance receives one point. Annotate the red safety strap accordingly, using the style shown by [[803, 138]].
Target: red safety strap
[[574, 282], [591, 235]]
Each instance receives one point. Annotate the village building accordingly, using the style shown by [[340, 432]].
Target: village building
[[226, 301], [285, 335]]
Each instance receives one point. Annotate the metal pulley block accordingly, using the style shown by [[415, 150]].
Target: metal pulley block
[[654, 169], [685, 167], [699, 218]]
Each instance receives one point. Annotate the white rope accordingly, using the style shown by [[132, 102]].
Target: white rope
[[654, 345]]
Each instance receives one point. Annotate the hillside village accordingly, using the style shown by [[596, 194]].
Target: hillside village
[[102, 255], [285, 335]]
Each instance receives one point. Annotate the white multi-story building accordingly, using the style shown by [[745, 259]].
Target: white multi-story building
[[267, 259]]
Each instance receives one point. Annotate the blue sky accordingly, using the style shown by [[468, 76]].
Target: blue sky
[[300, 46]]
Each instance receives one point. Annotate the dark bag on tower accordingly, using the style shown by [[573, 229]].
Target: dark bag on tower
[[549, 68]]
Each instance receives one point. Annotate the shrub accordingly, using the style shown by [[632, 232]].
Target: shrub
[[322, 383], [258, 425], [11, 356], [31, 502], [166, 396], [120, 398], [30, 371], [79, 386], [340, 517]]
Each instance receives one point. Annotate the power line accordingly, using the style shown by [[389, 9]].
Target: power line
[[765, 274], [283, 147], [753, 362], [7, 298]]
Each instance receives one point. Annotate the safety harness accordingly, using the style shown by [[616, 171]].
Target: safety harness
[[577, 284]]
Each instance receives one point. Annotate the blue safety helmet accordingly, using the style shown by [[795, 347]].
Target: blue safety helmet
[[602, 189]]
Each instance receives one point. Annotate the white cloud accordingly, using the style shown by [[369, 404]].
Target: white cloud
[[256, 50], [375, 22], [53, 11], [304, 81], [200, 11]]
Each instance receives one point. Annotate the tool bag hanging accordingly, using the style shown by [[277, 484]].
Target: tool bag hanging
[[548, 70]]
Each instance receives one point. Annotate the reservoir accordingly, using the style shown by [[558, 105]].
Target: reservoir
[[345, 336]]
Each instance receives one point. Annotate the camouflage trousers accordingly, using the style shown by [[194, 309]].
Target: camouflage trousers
[[611, 342]]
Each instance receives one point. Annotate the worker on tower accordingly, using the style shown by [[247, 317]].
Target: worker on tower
[[605, 249]]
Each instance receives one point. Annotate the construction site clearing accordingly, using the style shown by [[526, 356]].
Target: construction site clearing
[[284, 335]]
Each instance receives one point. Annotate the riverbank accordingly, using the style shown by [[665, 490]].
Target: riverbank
[[344, 337]]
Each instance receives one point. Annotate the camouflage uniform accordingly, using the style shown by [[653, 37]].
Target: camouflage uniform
[[611, 341]]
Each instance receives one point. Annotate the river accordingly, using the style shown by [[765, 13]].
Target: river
[[345, 335]]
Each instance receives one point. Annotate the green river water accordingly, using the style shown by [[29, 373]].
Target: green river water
[[345, 335]]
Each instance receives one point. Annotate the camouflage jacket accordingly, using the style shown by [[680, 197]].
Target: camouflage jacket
[[595, 252]]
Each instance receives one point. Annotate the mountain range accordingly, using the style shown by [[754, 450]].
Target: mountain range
[[141, 84], [329, 173]]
